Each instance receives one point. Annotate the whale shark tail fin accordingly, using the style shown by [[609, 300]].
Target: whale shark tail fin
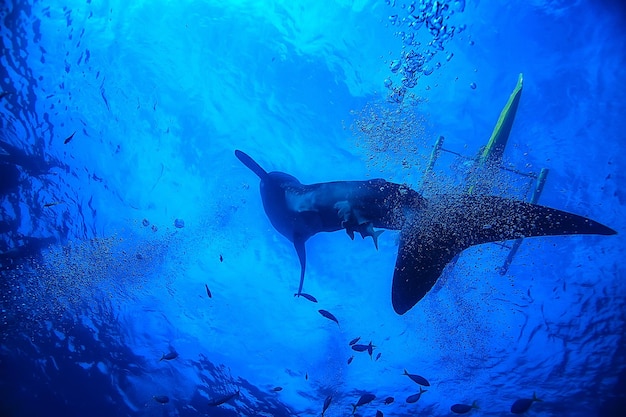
[[251, 164], [451, 224]]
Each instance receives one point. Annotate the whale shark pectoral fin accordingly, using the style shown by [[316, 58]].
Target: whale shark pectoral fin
[[454, 223], [251, 164], [298, 243]]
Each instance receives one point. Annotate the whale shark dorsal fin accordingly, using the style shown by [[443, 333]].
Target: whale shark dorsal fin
[[298, 243], [251, 164]]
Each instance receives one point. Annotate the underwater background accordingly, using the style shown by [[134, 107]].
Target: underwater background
[[141, 277]]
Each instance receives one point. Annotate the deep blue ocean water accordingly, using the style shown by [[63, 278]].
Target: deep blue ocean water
[[123, 203]]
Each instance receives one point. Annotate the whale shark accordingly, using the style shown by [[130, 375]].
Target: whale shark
[[432, 231]]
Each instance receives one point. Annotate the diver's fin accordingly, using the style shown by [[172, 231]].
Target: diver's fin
[[451, 224], [251, 164], [298, 243]]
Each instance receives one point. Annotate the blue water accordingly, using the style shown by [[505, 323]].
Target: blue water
[[98, 282]]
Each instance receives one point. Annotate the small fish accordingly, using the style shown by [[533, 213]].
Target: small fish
[[208, 291], [329, 316], [363, 348], [221, 400], [522, 405], [277, 389], [417, 379], [54, 203], [5, 93], [389, 400], [463, 408], [327, 402], [378, 356], [350, 359], [415, 397], [306, 376], [353, 341], [364, 399], [221, 258], [379, 413], [163, 399], [307, 296], [69, 138], [169, 356]]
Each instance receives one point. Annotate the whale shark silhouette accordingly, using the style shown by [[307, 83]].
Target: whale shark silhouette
[[432, 232]]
